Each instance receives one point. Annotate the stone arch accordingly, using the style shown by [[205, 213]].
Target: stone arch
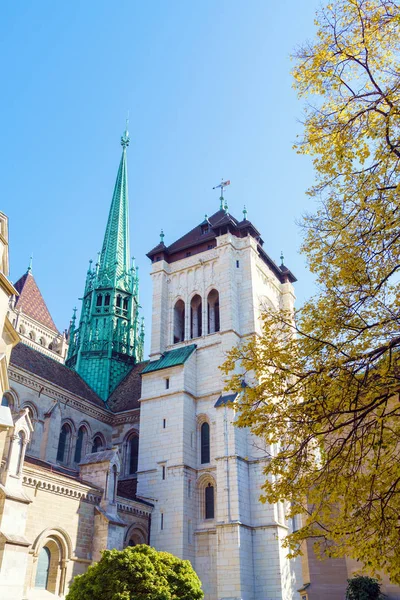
[[196, 316], [84, 434], [98, 436], [178, 320], [137, 533], [206, 480], [59, 546], [130, 453], [203, 422], [213, 311], [67, 432], [32, 409], [10, 399]]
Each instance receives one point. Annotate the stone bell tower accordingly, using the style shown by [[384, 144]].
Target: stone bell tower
[[109, 339], [203, 474]]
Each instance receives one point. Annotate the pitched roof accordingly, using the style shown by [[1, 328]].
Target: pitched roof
[[198, 240], [126, 395], [172, 358], [37, 363], [31, 301], [225, 399]]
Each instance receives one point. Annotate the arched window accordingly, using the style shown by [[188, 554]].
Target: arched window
[[43, 568], [119, 301], [51, 346], [32, 335], [205, 443], [195, 317], [97, 443], [107, 300], [7, 400], [179, 321], [125, 306], [133, 454], [213, 311], [209, 501], [42, 341], [63, 443], [81, 437], [99, 300], [22, 329]]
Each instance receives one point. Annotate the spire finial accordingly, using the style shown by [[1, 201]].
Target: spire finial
[[29, 270], [244, 213], [162, 236], [282, 258], [222, 185], [125, 136]]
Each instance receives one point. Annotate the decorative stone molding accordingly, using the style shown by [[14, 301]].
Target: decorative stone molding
[[55, 484], [132, 507]]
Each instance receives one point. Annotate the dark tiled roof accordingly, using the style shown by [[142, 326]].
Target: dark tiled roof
[[127, 488], [196, 241], [225, 399], [126, 395], [37, 363], [195, 236], [71, 473], [172, 358], [30, 300]]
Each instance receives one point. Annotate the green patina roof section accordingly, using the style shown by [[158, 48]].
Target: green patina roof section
[[115, 250], [173, 358]]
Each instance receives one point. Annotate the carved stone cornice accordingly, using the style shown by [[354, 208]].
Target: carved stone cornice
[[55, 483], [133, 507], [128, 416]]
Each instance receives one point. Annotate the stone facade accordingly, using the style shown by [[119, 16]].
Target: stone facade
[[106, 451], [236, 552]]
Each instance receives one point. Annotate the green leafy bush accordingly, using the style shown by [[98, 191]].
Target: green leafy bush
[[363, 588], [137, 573]]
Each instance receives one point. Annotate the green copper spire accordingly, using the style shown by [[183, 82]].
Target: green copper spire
[[114, 257], [109, 340]]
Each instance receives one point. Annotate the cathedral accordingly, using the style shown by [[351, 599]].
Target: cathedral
[[101, 447]]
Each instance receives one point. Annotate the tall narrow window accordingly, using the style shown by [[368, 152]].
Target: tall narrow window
[[107, 300], [125, 306], [213, 311], [42, 569], [133, 454], [97, 443], [99, 300], [162, 521], [63, 442], [205, 443], [195, 317], [119, 301], [79, 445], [115, 481], [209, 501], [179, 322]]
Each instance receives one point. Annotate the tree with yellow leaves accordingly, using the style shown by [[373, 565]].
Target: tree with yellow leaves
[[324, 385]]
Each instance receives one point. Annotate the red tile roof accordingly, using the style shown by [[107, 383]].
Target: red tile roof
[[30, 300]]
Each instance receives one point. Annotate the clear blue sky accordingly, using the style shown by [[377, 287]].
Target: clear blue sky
[[208, 87]]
